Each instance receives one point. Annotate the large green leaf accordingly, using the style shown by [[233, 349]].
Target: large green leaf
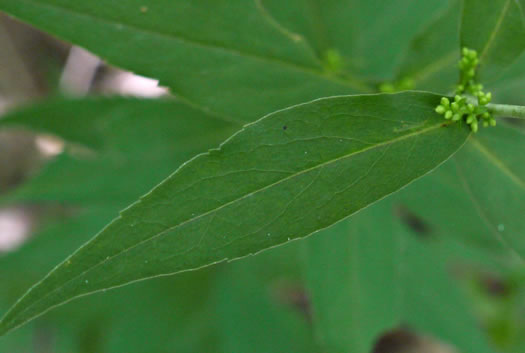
[[286, 176], [227, 56], [368, 275], [496, 29]]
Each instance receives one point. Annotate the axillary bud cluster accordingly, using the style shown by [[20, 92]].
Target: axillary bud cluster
[[462, 107]]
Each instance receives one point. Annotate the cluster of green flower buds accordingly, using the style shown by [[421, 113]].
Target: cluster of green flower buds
[[468, 64], [461, 109]]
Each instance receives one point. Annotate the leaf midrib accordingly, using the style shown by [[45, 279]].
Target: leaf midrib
[[352, 83], [160, 234]]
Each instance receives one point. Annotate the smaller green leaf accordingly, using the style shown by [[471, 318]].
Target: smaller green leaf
[[286, 176], [495, 29]]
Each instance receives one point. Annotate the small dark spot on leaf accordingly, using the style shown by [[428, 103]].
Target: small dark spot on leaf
[[444, 125], [285, 127], [413, 221]]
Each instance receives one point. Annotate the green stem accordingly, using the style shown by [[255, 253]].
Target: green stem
[[507, 111]]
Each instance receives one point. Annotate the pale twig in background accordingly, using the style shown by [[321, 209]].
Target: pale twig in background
[[79, 71]]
